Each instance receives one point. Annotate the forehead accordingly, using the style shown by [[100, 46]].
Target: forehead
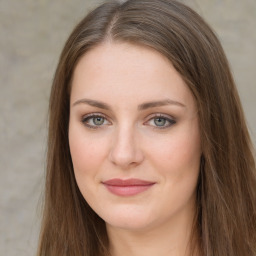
[[125, 70]]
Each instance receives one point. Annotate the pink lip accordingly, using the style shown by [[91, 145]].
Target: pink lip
[[129, 187]]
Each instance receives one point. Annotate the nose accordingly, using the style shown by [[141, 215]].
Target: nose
[[125, 151]]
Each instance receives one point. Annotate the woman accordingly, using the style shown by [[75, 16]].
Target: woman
[[148, 149]]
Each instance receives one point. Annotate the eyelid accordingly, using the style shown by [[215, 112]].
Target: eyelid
[[169, 118], [93, 115]]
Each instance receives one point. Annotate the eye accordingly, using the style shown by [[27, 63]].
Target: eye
[[160, 121], [95, 121]]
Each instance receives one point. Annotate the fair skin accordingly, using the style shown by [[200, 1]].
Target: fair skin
[[135, 146]]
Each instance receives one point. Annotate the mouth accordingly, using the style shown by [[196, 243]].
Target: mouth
[[129, 187]]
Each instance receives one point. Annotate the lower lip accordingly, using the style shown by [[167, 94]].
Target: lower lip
[[128, 190]]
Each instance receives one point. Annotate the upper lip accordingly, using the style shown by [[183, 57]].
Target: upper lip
[[127, 182]]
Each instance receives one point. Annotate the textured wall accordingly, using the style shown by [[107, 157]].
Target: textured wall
[[32, 34]]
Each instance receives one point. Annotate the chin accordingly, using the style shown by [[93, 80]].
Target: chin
[[130, 225], [128, 220]]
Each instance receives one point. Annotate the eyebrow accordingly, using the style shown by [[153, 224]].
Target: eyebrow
[[160, 103], [93, 103], [142, 106]]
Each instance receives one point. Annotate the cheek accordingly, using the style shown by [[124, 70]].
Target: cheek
[[177, 157], [87, 152], [177, 151], [180, 167]]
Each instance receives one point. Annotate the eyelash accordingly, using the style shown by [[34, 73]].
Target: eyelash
[[170, 121], [85, 120]]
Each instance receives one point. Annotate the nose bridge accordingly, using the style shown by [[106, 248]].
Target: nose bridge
[[125, 150]]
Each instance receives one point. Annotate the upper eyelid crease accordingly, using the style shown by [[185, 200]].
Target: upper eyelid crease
[[93, 115], [169, 119], [141, 107]]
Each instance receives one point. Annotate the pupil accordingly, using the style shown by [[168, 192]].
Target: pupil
[[160, 121], [98, 120]]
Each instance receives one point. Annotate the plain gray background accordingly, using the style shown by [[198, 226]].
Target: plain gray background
[[32, 34]]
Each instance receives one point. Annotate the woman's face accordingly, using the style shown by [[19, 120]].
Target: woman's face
[[134, 137]]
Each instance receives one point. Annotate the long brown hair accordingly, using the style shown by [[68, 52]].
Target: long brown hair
[[226, 219]]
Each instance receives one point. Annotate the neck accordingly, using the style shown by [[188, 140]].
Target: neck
[[172, 239]]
